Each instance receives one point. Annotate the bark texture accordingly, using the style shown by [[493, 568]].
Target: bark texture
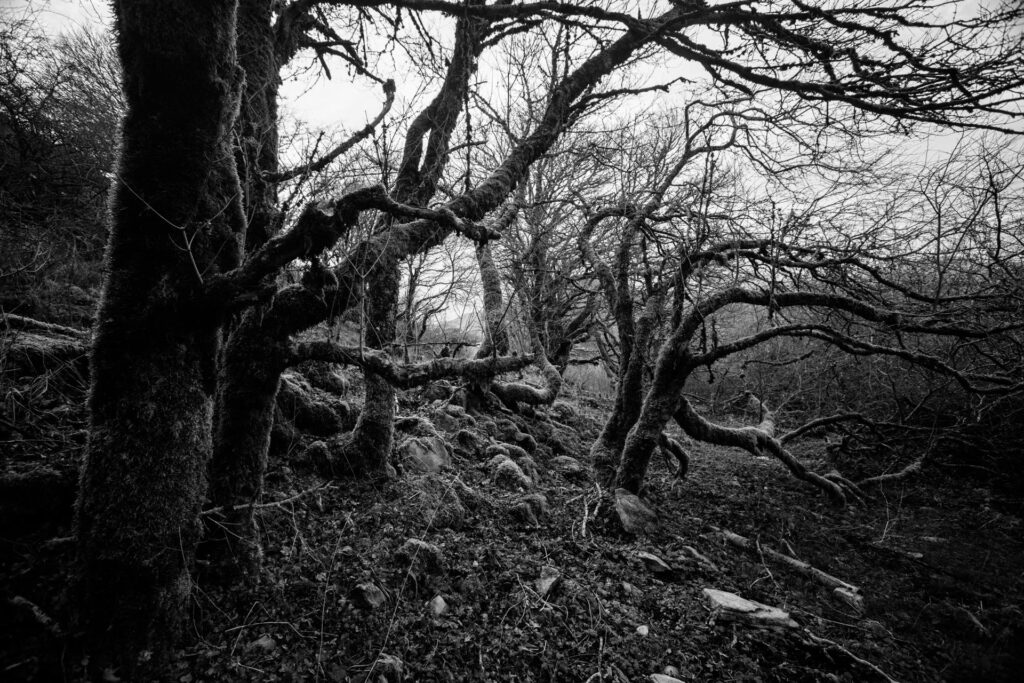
[[175, 217]]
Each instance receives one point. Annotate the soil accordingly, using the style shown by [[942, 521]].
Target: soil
[[938, 559]]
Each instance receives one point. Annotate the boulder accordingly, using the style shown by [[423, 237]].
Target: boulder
[[508, 475], [424, 454]]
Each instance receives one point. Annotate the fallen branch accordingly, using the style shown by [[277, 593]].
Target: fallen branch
[[843, 591], [264, 506], [912, 468]]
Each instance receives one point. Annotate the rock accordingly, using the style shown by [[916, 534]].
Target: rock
[[390, 668], [654, 564], [531, 509], [513, 451], [525, 441], [416, 426], [731, 607], [549, 578], [508, 475], [569, 467], [563, 411], [420, 557], [469, 443], [662, 678], [425, 454], [636, 517], [529, 466], [367, 596], [264, 644], [495, 451], [437, 606], [446, 500], [670, 670], [317, 454], [445, 422], [437, 391], [642, 630]]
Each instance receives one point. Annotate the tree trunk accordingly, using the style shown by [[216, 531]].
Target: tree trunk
[[253, 359], [607, 449], [496, 332], [367, 450], [175, 218], [659, 405]]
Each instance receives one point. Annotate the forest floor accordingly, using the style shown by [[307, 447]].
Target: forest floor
[[346, 597]]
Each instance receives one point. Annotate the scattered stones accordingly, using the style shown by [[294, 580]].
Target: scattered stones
[[368, 596], [636, 517], [731, 607], [425, 454], [549, 578], [420, 557], [508, 475], [437, 606]]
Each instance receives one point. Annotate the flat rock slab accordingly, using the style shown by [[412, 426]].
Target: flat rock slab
[[731, 607]]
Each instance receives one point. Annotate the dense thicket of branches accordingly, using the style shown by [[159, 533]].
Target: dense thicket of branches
[[676, 237]]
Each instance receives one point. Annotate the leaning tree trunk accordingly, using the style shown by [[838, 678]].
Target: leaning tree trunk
[[174, 220], [496, 330]]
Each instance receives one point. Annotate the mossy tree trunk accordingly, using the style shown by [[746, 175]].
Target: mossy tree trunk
[[175, 221], [253, 359]]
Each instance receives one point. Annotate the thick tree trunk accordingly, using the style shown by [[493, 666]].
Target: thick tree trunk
[[175, 219]]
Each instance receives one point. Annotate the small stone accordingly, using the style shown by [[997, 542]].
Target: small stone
[[264, 644], [642, 630], [670, 670], [437, 606], [469, 442], [662, 678], [654, 564], [390, 668], [549, 578], [514, 451], [636, 517], [367, 596], [420, 557]]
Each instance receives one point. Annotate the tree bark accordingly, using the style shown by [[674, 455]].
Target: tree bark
[[175, 218]]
